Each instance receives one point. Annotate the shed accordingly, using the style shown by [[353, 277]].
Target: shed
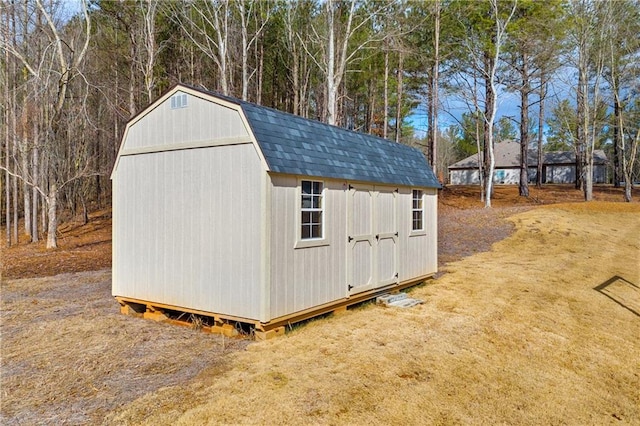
[[558, 166], [244, 213]]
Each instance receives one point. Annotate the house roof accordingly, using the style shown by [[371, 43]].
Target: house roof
[[507, 155], [295, 145]]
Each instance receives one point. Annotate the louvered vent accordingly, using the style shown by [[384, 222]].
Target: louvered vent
[[179, 100]]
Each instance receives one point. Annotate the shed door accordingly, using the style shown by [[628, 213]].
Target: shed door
[[360, 262], [372, 256], [386, 235]]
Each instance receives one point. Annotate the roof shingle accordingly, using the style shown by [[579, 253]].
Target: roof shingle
[[296, 145]]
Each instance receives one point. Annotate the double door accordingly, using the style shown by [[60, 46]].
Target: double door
[[372, 242]]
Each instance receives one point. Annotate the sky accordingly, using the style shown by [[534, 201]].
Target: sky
[[452, 107]]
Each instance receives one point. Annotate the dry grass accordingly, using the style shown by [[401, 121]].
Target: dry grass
[[517, 335], [69, 357]]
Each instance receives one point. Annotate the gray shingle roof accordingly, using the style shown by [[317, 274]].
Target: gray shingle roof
[[299, 146], [507, 155]]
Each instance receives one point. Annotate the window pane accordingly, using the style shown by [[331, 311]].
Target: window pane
[[416, 204], [306, 231], [306, 218], [316, 218], [417, 220], [306, 187], [311, 209]]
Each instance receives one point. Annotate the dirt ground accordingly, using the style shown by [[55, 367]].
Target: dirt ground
[[517, 335]]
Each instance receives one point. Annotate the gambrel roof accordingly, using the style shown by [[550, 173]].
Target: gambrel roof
[[296, 145], [507, 155]]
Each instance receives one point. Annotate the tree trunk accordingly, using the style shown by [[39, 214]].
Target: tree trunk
[[132, 75], [15, 193], [332, 88], [543, 94], [296, 82], [260, 73], [385, 124], [581, 117], [489, 106], [524, 129], [588, 179], [245, 51], [433, 127], [35, 194], [617, 139], [52, 228], [399, 95], [26, 193], [7, 137]]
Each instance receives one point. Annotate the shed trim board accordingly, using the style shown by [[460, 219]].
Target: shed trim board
[[188, 145], [205, 224]]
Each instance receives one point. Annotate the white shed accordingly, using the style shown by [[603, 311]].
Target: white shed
[[243, 213]]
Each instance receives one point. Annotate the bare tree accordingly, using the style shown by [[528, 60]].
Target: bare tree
[[433, 101], [483, 44], [334, 41], [248, 11], [199, 19], [590, 20], [64, 62], [146, 62]]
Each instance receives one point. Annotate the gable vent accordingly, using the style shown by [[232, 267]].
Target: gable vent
[[179, 100]]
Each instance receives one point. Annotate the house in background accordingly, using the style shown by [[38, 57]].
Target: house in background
[[243, 213], [558, 167]]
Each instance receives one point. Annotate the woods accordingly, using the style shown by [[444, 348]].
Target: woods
[[438, 75]]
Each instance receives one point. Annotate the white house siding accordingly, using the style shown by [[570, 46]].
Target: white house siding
[[418, 250], [507, 176], [464, 177], [470, 177], [188, 228], [561, 174], [200, 121]]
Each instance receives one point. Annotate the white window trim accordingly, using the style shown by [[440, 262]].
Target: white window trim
[[423, 230], [310, 242]]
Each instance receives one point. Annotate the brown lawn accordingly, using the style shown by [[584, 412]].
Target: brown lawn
[[542, 329]]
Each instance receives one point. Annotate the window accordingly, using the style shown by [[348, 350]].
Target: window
[[417, 210], [179, 100], [311, 210]]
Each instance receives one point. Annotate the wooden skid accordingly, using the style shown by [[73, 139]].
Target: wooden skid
[[229, 325]]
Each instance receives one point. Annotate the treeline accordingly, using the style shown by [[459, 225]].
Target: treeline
[[73, 73]]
